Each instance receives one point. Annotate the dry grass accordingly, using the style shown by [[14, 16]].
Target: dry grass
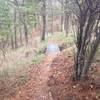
[[18, 59]]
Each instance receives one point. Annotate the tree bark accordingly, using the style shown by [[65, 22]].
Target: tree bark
[[66, 23], [15, 29], [52, 21], [26, 33], [44, 20], [87, 28], [66, 15], [21, 40], [12, 42]]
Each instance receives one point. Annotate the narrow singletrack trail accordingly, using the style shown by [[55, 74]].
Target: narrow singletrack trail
[[37, 89], [42, 89]]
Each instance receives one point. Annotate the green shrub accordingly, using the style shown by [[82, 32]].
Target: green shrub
[[38, 58]]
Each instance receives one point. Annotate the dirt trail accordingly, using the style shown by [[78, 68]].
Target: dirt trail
[[37, 89], [52, 80], [42, 89]]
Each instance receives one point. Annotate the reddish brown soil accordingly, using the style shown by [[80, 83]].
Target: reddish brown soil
[[52, 80], [37, 88], [63, 87]]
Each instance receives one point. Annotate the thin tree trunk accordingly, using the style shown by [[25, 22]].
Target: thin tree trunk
[[23, 20], [44, 20], [66, 23], [44, 27], [15, 30], [38, 21], [25, 28], [62, 20], [52, 17], [3, 49], [52, 23], [19, 15], [21, 41], [12, 42], [26, 33], [62, 16]]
